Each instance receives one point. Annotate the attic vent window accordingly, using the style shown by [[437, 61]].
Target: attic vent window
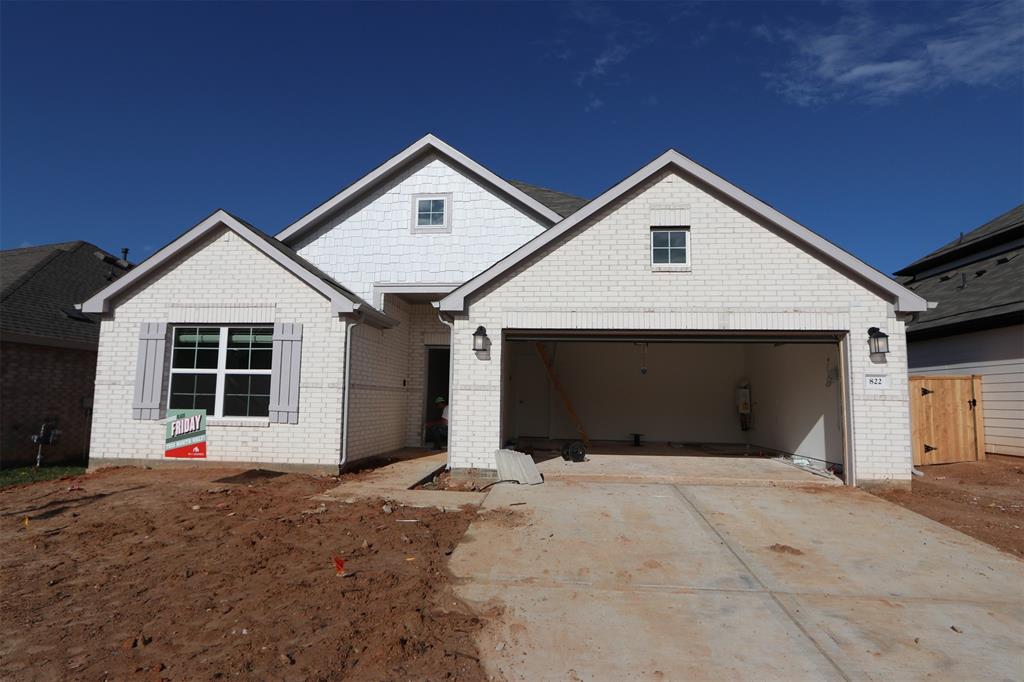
[[431, 213]]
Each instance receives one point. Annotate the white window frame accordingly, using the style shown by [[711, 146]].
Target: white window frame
[[446, 226], [685, 229], [222, 360]]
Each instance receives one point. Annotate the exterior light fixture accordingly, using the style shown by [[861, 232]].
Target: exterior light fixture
[[878, 341], [480, 339]]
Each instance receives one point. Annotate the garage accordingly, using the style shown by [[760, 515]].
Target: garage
[[765, 395], [661, 305]]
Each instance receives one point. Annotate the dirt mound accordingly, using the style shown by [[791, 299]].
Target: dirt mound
[[785, 549], [200, 574]]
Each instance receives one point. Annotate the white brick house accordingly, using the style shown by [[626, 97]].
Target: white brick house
[[374, 295]]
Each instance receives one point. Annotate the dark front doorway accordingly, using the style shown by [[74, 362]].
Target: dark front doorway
[[438, 364]]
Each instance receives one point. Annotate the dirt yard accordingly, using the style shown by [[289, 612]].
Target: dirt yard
[[982, 499], [206, 574]]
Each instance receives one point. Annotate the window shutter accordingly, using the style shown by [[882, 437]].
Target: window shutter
[[284, 373], [149, 371]]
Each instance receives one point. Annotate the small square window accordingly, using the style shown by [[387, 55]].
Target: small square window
[[670, 246], [431, 213]]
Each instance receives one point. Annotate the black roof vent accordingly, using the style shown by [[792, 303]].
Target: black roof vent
[[979, 273]]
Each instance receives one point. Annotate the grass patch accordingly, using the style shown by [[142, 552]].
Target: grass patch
[[9, 477]]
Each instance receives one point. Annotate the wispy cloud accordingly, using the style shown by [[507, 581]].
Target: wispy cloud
[[877, 59], [593, 104], [613, 53], [622, 37]]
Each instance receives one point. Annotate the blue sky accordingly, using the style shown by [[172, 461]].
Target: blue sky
[[887, 128]]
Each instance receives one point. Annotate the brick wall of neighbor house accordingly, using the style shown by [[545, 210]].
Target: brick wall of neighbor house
[[39, 382], [743, 277], [225, 280], [373, 242]]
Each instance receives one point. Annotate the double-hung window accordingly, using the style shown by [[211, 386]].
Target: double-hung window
[[670, 246], [223, 370]]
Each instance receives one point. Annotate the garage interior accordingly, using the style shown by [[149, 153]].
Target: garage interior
[[765, 395]]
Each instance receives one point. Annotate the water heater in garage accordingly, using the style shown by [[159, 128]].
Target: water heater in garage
[[743, 406]]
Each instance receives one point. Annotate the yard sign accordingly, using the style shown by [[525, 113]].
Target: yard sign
[[186, 434]]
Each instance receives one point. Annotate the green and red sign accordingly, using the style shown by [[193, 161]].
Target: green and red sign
[[186, 434]]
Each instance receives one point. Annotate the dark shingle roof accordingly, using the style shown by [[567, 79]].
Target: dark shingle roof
[[994, 231], [42, 284], [559, 202], [983, 289]]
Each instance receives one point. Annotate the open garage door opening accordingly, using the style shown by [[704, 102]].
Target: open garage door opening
[[764, 395]]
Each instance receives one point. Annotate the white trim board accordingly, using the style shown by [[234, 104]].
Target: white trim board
[[427, 143], [904, 299], [381, 288]]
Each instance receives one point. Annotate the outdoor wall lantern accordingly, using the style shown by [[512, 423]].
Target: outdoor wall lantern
[[878, 341], [480, 339]]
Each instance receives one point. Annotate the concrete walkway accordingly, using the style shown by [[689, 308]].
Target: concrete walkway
[[394, 480], [622, 581]]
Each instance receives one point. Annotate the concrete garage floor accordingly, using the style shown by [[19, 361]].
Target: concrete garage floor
[[619, 581], [685, 466]]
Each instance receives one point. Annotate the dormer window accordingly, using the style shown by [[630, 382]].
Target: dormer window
[[431, 213]]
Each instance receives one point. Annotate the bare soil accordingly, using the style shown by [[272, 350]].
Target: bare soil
[[444, 481], [213, 574], [982, 499]]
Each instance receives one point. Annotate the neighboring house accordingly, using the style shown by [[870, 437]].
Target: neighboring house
[[48, 348], [661, 305], [978, 326]]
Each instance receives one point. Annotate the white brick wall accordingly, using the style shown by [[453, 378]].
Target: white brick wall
[[388, 379], [373, 241], [742, 277], [225, 280]]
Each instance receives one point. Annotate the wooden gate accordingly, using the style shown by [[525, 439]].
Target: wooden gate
[[947, 419]]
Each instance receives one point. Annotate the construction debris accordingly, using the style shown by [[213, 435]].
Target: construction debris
[[518, 467]]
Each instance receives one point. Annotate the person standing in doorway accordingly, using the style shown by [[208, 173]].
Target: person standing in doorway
[[437, 430]]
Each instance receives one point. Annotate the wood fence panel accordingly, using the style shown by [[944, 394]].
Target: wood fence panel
[[947, 419]]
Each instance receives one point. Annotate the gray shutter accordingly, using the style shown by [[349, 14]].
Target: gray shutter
[[284, 375], [149, 371]]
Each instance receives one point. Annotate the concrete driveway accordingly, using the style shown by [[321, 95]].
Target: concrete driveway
[[627, 580]]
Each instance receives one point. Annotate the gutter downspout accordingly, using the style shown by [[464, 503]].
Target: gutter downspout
[[349, 326], [451, 381]]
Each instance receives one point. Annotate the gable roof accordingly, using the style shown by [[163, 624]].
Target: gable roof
[[425, 145], [342, 300], [997, 231], [561, 203], [905, 300], [40, 285]]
